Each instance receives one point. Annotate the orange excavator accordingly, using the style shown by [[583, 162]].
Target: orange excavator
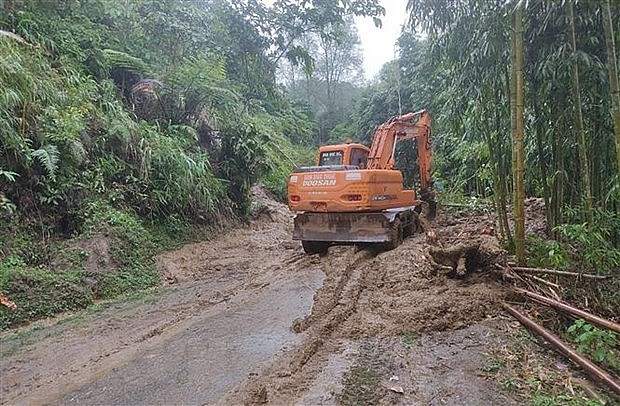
[[354, 194]]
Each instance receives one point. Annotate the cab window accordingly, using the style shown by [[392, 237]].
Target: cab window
[[331, 158], [359, 157]]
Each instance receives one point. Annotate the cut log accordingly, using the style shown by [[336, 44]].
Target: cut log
[[608, 324], [5, 301]]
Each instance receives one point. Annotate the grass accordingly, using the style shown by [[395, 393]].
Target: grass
[[493, 365], [60, 282], [409, 339], [12, 342], [361, 384]]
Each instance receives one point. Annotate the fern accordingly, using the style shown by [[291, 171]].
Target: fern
[[13, 36], [123, 61], [48, 156], [8, 175]]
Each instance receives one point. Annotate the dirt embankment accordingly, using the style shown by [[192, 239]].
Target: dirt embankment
[[248, 318]]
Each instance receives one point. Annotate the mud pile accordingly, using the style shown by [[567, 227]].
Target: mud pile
[[366, 295], [265, 240], [535, 217], [401, 292], [266, 210]]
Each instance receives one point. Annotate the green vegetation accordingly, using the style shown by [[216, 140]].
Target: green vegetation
[[362, 383], [493, 365], [45, 280], [597, 343], [409, 339]]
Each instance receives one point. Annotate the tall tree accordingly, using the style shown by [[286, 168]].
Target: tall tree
[[519, 185], [613, 75], [286, 21], [334, 78], [577, 111], [340, 58]]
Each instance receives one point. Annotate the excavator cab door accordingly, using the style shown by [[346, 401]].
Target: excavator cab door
[[359, 157]]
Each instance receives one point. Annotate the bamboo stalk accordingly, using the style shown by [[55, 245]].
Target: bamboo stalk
[[584, 170], [591, 368], [544, 281], [519, 154], [556, 272], [572, 310], [614, 90]]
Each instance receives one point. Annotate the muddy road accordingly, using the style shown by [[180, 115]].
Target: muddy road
[[248, 318]]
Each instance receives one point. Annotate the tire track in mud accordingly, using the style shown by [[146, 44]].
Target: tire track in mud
[[334, 303], [335, 286], [334, 306]]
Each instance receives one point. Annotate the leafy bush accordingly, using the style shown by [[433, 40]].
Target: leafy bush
[[546, 253], [58, 281], [595, 342], [593, 244], [39, 292], [181, 180]]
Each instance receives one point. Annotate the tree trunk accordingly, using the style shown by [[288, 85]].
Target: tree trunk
[[559, 176], [501, 179], [542, 163], [613, 75], [581, 139], [519, 192]]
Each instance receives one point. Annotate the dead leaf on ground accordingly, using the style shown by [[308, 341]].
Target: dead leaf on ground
[[6, 302]]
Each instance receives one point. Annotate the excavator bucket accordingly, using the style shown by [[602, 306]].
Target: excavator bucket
[[430, 210], [343, 227]]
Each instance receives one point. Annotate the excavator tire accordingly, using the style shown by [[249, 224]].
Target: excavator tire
[[396, 235], [315, 247]]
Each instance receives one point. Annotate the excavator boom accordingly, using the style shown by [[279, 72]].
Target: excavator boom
[[400, 128]]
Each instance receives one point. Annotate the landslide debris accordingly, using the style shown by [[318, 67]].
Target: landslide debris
[[372, 295]]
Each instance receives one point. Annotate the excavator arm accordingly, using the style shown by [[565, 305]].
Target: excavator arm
[[409, 126]]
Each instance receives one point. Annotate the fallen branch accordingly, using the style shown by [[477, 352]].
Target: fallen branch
[[591, 368], [556, 272], [544, 281], [572, 310], [464, 205]]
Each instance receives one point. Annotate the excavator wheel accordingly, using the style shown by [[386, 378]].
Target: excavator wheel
[[315, 247], [396, 235]]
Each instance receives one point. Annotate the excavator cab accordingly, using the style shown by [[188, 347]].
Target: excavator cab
[[343, 154]]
